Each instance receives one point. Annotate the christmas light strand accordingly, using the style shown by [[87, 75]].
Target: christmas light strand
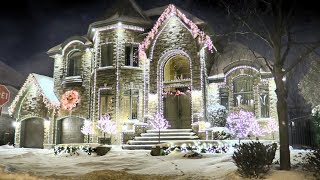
[[30, 81], [167, 14]]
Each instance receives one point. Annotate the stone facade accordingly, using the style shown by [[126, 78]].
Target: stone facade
[[134, 91]]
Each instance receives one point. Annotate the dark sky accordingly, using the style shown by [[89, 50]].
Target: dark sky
[[30, 28]]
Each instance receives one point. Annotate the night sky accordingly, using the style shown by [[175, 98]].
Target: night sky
[[29, 28]]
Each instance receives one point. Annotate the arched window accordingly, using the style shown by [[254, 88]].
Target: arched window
[[243, 92], [74, 64]]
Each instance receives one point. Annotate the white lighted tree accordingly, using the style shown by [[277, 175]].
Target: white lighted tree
[[158, 122], [242, 124], [106, 125], [87, 129]]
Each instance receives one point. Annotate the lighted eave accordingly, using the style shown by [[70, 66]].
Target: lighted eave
[[114, 20], [58, 50]]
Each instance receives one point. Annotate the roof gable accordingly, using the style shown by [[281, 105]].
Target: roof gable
[[165, 16], [45, 87]]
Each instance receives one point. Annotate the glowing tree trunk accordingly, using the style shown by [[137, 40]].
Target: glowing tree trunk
[[158, 122]]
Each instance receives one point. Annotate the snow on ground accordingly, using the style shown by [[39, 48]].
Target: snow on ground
[[25, 163]]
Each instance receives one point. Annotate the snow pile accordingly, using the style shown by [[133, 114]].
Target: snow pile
[[25, 163]]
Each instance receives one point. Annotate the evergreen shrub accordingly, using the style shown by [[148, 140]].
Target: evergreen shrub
[[313, 162], [254, 159]]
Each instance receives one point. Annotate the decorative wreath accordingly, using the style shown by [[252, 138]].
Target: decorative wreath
[[70, 99]]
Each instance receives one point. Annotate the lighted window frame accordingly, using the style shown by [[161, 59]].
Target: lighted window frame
[[74, 63], [106, 55], [132, 95], [243, 87], [131, 55], [105, 102], [264, 102], [224, 97]]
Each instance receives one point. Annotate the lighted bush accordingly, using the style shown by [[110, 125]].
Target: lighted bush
[[313, 162], [254, 159], [243, 124]]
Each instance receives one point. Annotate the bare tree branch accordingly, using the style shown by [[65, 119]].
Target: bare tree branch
[[302, 57], [286, 52], [269, 65]]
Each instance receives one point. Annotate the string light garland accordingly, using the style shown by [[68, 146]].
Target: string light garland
[[160, 70], [70, 99], [31, 80], [167, 14], [118, 25]]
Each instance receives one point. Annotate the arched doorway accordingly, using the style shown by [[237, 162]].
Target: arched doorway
[[69, 130], [32, 133], [176, 86]]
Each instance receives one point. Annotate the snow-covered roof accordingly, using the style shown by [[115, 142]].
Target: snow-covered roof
[[45, 86], [73, 39]]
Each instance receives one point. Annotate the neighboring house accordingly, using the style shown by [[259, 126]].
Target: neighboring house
[[13, 81], [123, 69]]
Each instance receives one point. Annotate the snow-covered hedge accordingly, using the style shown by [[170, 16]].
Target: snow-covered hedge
[[217, 115]]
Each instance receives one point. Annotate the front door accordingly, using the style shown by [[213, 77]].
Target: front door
[[177, 110]]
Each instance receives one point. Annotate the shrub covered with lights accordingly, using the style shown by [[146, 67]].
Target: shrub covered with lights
[[73, 150], [313, 162], [254, 159], [243, 124], [217, 115], [199, 148]]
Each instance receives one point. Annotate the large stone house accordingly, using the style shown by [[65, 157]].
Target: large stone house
[[130, 66]]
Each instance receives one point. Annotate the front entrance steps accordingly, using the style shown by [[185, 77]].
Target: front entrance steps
[[151, 138]]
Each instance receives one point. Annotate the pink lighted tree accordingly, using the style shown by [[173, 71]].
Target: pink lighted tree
[[158, 122], [87, 129], [272, 127], [242, 124], [106, 125]]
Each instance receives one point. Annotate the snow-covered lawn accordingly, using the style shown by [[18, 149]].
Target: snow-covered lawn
[[24, 163]]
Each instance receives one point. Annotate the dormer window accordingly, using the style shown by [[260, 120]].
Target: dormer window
[[131, 58], [106, 55], [74, 64]]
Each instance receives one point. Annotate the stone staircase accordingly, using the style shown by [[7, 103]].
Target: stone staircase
[[151, 138]]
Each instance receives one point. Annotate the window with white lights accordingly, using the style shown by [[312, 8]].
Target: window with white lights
[[106, 55], [224, 94], [243, 92], [74, 63], [264, 101], [131, 102], [131, 55], [105, 103]]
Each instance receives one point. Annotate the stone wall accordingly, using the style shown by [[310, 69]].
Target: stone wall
[[174, 36], [118, 77], [82, 109]]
